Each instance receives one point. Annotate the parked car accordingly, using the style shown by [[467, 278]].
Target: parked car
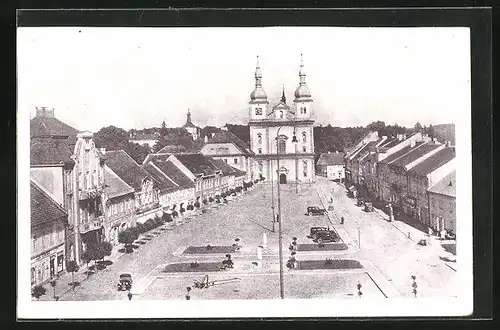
[[125, 282], [360, 202], [322, 234], [315, 210], [368, 207]]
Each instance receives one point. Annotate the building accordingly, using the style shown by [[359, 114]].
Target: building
[[282, 133], [351, 152], [228, 178], [146, 188], [191, 128], [226, 146], [331, 166], [184, 193], [119, 205], [442, 204], [424, 175], [71, 169], [48, 225], [167, 187]]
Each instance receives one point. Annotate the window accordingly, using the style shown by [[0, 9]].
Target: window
[[281, 114], [281, 146], [304, 137], [261, 167], [305, 168], [225, 159], [260, 150], [60, 259], [303, 110], [236, 160], [33, 273], [440, 204], [304, 149], [258, 111]]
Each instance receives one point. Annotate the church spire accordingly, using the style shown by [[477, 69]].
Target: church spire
[[258, 93], [283, 98], [302, 72], [302, 91], [188, 120]]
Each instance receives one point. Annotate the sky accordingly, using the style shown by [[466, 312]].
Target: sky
[[139, 77]]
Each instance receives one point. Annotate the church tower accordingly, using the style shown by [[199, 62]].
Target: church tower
[[258, 98], [303, 100]]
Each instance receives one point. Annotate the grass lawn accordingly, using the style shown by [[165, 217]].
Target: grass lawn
[[324, 247], [333, 264], [187, 267], [213, 249]]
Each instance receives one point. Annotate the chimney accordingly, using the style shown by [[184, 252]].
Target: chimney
[[44, 112], [103, 151]]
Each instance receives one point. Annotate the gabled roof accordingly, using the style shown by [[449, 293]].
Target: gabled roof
[[167, 167], [115, 186], [49, 151], [165, 183], [50, 126], [365, 149], [223, 166], [389, 142], [44, 209], [127, 169], [396, 155], [447, 186], [336, 158], [416, 152], [434, 162], [223, 136], [197, 163], [238, 173], [172, 149]]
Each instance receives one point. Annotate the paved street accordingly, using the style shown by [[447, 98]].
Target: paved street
[[389, 258]]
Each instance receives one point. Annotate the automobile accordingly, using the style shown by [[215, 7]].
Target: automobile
[[315, 210], [360, 202], [322, 234], [368, 207], [125, 282]]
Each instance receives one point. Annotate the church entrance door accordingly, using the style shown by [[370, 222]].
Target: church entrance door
[[283, 178]]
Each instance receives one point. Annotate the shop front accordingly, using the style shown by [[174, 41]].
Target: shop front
[[47, 265]]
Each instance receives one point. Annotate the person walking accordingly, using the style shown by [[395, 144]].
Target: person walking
[[188, 293], [341, 220]]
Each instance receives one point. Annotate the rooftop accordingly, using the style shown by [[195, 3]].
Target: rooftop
[[223, 136], [223, 166], [44, 209], [165, 183], [44, 124], [49, 151], [334, 158], [172, 149], [127, 169], [363, 150], [197, 163], [434, 162], [416, 152], [169, 168], [115, 186], [447, 186]]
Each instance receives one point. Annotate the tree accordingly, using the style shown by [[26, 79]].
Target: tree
[[417, 127], [72, 267], [431, 132], [87, 258], [127, 237], [95, 252], [38, 291]]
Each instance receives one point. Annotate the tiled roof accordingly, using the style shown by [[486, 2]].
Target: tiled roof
[[331, 159], [223, 136], [197, 163], [238, 173], [114, 185], [169, 168], [366, 148], [127, 169], [49, 151], [396, 155], [50, 126], [44, 209], [434, 162], [447, 186], [172, 149], [223, 166], [390, 142], [416, 152], [165, 183]]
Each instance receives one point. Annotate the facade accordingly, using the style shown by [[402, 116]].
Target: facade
[[331, 165], [146, 191], [71, 169], [120, 205], [353, 151], [226, 146], [442, 204], [191, 128], [282, 136], [421, 177], [48, 225]]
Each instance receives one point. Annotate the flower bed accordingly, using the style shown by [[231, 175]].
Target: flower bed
[[323, 247], [205, 250], [331, 264], [193, 267]]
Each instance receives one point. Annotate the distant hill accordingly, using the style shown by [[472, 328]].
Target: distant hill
[[445, 132]]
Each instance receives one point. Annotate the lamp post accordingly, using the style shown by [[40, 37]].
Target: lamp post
[[280, 235]]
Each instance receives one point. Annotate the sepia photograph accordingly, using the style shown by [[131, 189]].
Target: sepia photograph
[[244, 171]]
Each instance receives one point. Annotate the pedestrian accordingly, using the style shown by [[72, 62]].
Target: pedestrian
[[188, 293], [293, 246], [341, 220], [430, 231], [129, 295]]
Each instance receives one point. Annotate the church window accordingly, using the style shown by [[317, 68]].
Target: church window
[[259, 138], [281, 146], [260, 150], [303, 110], [304, 149], [304, 137], [281, 114], [258, 111], [236, 160]]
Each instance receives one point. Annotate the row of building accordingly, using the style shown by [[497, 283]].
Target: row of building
[[81, 195], [413, 172]]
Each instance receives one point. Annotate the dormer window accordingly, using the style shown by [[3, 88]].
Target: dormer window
[[281, 114], [258, 111]]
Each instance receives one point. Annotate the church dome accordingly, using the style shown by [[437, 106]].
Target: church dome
[[302, 91], [258, 94]]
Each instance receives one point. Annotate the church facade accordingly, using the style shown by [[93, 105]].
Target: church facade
[[281, 136]]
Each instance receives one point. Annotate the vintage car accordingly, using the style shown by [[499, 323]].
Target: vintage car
[[125, 282], [360, 202], [322, 234], [368, 207], [315, 210]]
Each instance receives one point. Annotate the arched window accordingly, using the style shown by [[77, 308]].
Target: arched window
[[303, 110], [304, 149], [281, 114], [259, 138], [261, 167], [304, 137], [304, 163], [260, 150], [281, 146], [258, 111]]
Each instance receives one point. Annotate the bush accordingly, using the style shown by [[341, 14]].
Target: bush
[[197, 204], [167, 217], [106, 248], [182, 210], [256, 181], [38, 291], [139, 228], [205, 201], [127, 236], [211, 199]]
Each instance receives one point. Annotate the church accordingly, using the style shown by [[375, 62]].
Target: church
[[281, 136]]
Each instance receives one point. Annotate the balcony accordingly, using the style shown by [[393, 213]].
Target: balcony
[[89, 193], [92, 224]]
